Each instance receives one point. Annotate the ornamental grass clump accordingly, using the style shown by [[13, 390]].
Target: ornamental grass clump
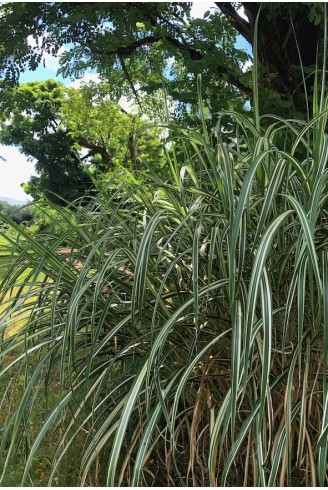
[[178, 334]]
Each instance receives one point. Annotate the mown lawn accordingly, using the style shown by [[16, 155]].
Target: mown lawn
[[19, 317], [5, 260], [4, 256]]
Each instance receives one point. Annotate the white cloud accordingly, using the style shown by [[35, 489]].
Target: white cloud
[[129, 104], [87, 78], [126, 104], [198, 9], [247, 65], [241, 12], [31, 41], [13, 172], [51, 62]]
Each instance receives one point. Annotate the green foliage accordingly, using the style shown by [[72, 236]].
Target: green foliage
[[66, 130], [136, 47], [183, 328], [17, 213], [30, 115], [117, 140]]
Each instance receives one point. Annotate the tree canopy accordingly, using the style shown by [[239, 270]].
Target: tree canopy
[[30, 121], [67, 130], [137, 49], [17, 212], [143, 44]]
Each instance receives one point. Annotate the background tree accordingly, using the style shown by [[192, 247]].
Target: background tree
[[147, 42], [67, 130], [30, 121], [115, 139], [18, 214]]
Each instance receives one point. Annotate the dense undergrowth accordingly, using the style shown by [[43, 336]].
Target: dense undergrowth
[[180, 336]]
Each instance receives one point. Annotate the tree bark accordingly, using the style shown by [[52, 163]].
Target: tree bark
[[286, 39]]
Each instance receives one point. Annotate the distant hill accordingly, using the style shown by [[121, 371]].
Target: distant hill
[[13, 201]]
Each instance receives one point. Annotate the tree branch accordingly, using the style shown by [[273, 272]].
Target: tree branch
[[106, 158], [129, 49], [127, 76], [193, 53], [240, 24]]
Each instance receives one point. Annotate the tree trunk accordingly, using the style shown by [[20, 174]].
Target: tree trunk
[[286, 39]]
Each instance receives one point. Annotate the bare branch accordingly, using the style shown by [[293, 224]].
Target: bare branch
[[127, 76]]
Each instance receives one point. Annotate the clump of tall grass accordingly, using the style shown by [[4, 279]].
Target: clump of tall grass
[[182, 330]]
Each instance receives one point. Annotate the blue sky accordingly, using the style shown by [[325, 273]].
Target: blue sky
[[17, 169]]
